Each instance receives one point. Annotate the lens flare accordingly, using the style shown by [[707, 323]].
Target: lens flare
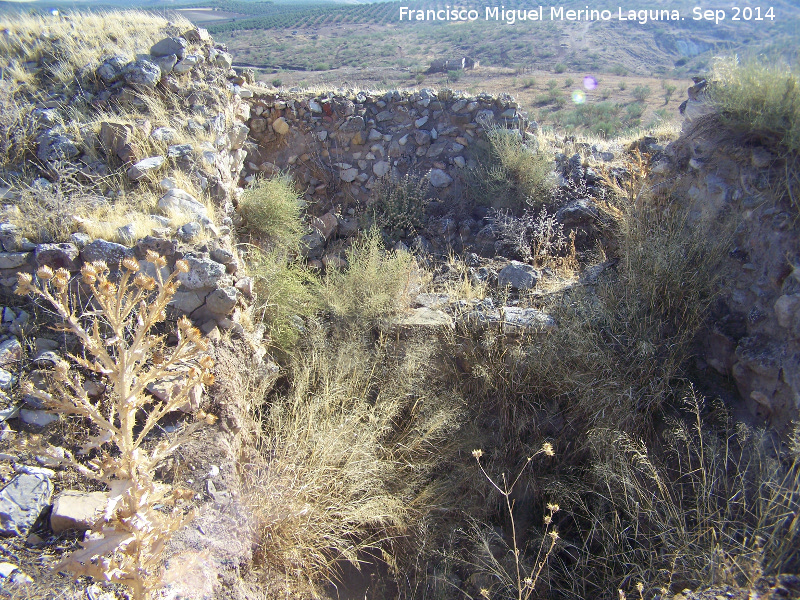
[[589, 82], [578, 97]]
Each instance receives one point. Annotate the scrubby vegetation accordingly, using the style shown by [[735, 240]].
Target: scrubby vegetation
[[400, 205], [758, 97], [286, 291], [270, 209], [58, 70], [351, 456], [466, 456], [761, 100], [626, 503], [375, 284], [515, 173]]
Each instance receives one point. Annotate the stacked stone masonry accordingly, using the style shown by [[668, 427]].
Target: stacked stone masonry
[[338, 145]]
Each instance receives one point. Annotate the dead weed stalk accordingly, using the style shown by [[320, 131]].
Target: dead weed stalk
[[126, 544]]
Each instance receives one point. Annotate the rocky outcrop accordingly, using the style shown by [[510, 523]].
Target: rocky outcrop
[[754, 334], [210, 156]]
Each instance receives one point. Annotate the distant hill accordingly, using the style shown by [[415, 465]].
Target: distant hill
[[655, 48], [376, 37]]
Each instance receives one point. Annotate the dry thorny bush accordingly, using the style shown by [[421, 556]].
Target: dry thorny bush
[[531, 236], [126, 544]]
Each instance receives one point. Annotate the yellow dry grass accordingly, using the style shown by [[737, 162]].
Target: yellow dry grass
[[75, 42]]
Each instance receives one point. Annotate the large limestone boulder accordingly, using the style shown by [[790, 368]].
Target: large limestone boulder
[[142, 73]]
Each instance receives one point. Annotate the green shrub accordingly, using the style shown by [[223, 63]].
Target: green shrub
[[557, 98], [560, 68], [662, 115], [400, 206], [529, 82], [277, 82], [634, 111], [270, 210], [568, 82], [607, 129], [284, 291], [622, 86], [758, 97], [641, 92], [601, 118], [376, 282], [669, 90], [512, 173]]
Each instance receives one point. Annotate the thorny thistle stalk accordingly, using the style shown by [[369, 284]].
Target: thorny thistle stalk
[[525, 583], [126, 544]]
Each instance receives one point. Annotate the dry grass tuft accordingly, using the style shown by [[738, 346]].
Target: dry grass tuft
[[620, 346], [349, 452], [699, 508], [52, 215], [69, 47], [758, 97]]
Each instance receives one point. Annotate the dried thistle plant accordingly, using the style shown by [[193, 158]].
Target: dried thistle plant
[[126, 544]]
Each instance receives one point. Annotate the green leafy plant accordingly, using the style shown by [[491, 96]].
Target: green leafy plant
[[127, 543]]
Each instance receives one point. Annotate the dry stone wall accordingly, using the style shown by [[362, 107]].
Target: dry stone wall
[[340, 144]]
